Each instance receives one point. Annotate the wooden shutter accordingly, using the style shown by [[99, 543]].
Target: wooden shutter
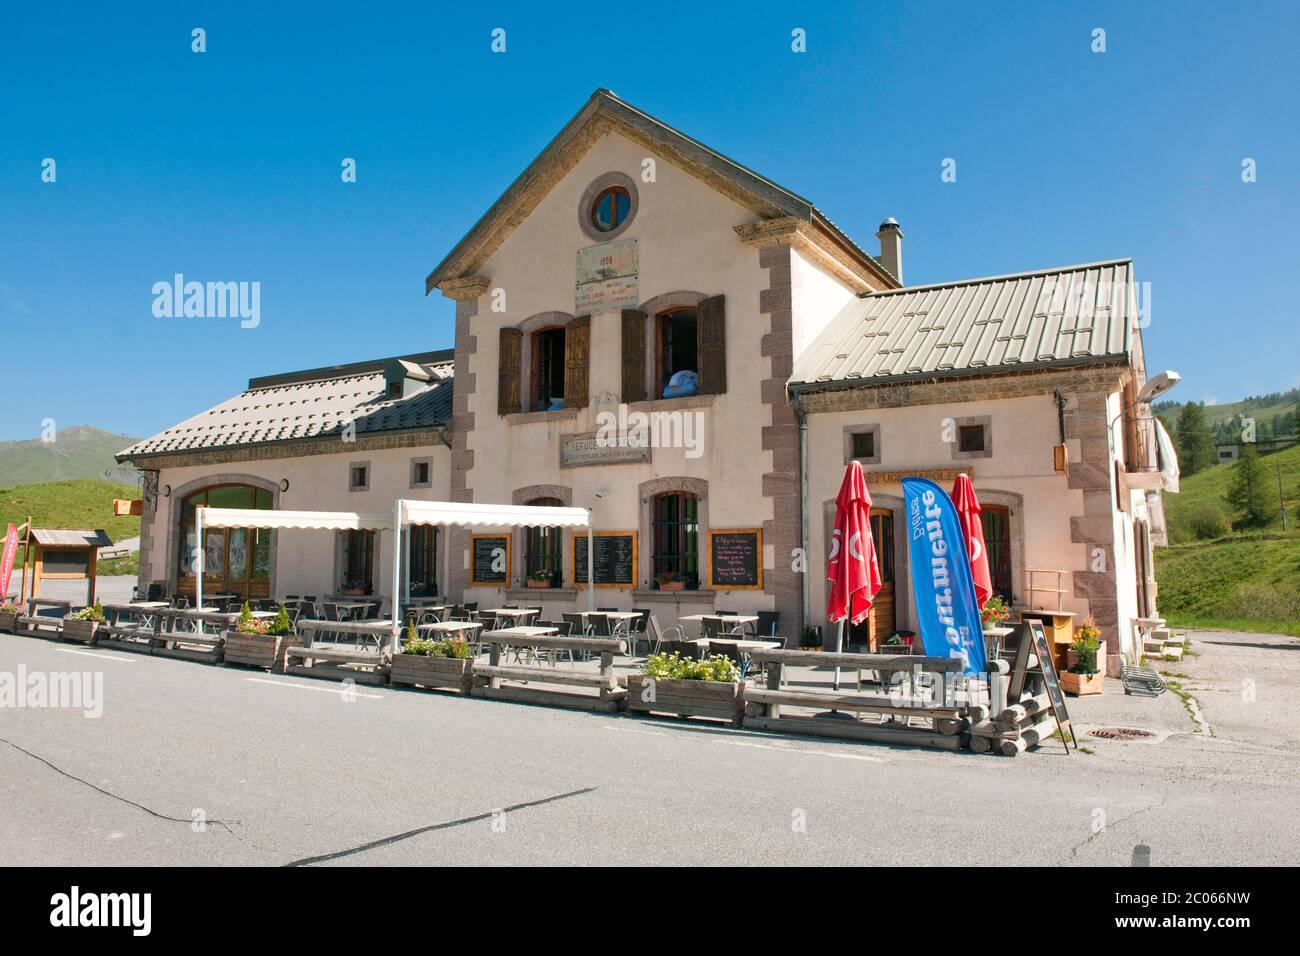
[[633, 356], [577, 361], [509, 356], [711, 328]]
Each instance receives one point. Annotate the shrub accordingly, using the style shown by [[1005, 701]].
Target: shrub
[[247, 624], [10, 608], [1207, 521], [1261, 602], [280, 625], [675, 667], [456, 648]]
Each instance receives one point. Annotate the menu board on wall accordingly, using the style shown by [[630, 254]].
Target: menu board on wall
[[489, 561], [736, 559], [613, 559]]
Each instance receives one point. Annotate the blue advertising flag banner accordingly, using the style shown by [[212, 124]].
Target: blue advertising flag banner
[[941, 577]]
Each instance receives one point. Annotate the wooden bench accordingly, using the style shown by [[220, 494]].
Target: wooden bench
[[33, 624], [341, 663], [181, 635], [949, 719], [133, 636], [610, 692]]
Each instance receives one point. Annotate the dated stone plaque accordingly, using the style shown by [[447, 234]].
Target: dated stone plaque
[[607, 279], [584, 451]]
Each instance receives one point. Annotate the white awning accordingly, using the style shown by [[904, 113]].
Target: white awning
[[464, 515], [266, 518]]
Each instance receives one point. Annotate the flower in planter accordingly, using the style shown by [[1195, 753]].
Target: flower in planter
[[1087, 641], [995, 612], [8, 608], [247, 624], [93, 613], [675, 667]]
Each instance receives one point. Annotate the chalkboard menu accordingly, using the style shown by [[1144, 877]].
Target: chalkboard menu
[[489, 559], [736, 559], [1048, 671], [613, 561]]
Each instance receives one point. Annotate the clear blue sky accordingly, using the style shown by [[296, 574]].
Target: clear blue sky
[[225, 166]]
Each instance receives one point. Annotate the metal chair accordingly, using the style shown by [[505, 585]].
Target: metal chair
[[767, 621], [655, 634], [576, 623]]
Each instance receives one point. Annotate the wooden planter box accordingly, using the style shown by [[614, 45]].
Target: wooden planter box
[[672, 585], [9, 620], [258, 650], [81, 631], [449, 673], [688, 698], [1081, 685], [539, 585]]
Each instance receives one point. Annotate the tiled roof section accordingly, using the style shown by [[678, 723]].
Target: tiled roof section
[[1072, 315], [316, 404], [58, 537]]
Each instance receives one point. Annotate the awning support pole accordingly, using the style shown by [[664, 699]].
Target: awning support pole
[[397, 570], [198, 559], [591, 559]]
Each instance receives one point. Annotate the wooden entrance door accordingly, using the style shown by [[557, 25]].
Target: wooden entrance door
[[881, 619]]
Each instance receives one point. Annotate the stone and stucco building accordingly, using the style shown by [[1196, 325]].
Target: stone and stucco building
[[629, 260]]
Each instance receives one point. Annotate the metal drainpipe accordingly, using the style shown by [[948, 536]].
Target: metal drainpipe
[[802, 418]]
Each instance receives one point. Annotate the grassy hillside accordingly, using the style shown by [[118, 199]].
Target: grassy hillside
[[79, 451], [1259, 408], [1242, 582], [1206, 489], [69, 504]]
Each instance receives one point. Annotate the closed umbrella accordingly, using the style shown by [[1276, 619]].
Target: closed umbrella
[[851, 567], [972, 529]]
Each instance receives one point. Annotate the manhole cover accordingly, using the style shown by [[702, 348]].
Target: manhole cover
[[1120, 733]]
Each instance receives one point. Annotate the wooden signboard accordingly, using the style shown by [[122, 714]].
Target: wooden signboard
[[613, 563], [489, 559], [736, 559], [1043, 650]]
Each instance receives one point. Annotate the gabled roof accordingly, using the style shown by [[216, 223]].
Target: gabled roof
[[63, 538], [316, 403], [1081, 314], [604, 111]]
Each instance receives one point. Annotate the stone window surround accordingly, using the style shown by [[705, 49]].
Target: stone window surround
[[646, 491], [653, 307], [377, 553], [521, 496], [535, 323], [955, 445], [352, 467], [428, 481], [594, 189], [179, 494], [850, 431]]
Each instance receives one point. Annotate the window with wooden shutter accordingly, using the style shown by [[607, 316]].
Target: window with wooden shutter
[[508, 371], [577, 362], [711, 318], [633, 356]]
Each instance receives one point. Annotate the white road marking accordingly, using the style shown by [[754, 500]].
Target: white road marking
[[749, 743], [107, 657], [323, 690]]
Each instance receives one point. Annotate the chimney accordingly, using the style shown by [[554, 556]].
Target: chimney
[[891, 247]]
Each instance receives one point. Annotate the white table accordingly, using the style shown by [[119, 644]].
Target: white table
[[728, 621], [513, 613], [350, 605], [744, 645]]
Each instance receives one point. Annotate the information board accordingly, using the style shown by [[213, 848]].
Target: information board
[[489, 559], [736, 559], [613, 561]]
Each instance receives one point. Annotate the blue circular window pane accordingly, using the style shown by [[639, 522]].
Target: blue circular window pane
[[604, 210], [624, 204]]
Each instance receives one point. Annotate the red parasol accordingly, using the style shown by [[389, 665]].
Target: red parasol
[[972, 529], [851, 567]]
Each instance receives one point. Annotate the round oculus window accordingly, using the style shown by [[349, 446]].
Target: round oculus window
[[611, 208]]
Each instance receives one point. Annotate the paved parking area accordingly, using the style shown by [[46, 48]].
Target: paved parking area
[[278, 770]]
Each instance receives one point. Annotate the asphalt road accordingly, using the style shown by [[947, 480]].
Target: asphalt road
[[288, 769]]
